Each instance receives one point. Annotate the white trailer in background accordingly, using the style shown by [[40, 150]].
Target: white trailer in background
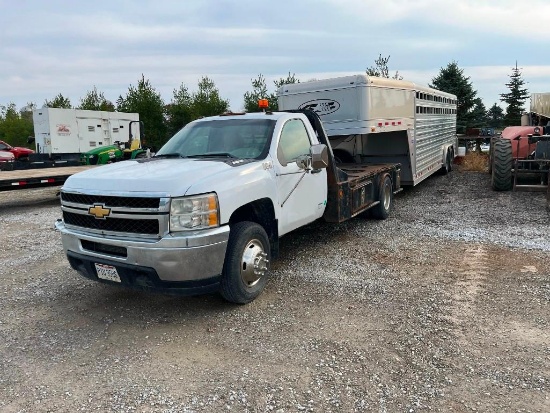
[[379, 120], [539, 111], [74, 131]]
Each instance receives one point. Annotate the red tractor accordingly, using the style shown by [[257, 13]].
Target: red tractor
[[520, 151]]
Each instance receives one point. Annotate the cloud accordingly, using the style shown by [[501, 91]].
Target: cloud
[[503, 17], [111, 44]]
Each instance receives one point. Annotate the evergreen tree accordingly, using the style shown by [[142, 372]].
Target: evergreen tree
[[479, 114], [381, 69], [180, 110], [146, 101], [95, 100], [207, 100], [451, 79], [495, 116], [59, 101], [26, 112], [259, 91], [14, 127], [515, 98]]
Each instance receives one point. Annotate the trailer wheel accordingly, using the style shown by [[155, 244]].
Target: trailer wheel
[[246, 263], [501, 176], [448, 167], [385, 196]]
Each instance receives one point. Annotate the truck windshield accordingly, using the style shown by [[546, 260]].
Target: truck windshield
[[239, 138]]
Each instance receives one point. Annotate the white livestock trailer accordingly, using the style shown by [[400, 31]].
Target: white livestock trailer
[[380, 120]]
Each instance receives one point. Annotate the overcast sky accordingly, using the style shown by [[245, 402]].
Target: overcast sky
[[68, 47]]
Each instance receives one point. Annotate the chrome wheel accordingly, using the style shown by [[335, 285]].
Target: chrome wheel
[[253, 263], [387, 193]]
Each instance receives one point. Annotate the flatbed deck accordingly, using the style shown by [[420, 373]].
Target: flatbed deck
[[359, 172], [34, 178], [354, 188]]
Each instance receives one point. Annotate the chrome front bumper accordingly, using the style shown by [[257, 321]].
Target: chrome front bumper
[[194, 256]]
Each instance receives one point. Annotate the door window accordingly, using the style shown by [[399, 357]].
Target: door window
[[294, 142]]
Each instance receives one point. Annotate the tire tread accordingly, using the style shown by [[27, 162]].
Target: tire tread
[[502, 163]]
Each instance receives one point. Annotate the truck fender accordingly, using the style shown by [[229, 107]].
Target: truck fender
[[262, 212]]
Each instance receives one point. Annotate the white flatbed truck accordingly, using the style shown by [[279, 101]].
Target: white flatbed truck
[[206, 213]]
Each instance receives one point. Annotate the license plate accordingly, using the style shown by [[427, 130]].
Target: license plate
[[107, 272]]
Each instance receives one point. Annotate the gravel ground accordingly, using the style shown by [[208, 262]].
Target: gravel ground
[[442, 307]]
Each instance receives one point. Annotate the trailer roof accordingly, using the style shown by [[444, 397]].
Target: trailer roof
[[360, 79]]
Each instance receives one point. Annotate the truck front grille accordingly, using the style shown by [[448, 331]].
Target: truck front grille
[[111, 201], [141, 217], [135, 226]]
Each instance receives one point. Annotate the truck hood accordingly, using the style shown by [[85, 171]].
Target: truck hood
[[166, 177]]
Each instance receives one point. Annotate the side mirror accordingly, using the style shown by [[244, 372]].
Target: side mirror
[[319, 156]]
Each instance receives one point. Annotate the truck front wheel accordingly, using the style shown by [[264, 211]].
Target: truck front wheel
[[246, 263], [385, 198]]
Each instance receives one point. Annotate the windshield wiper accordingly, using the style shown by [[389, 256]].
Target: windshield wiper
[[169, 155], [212, 155]]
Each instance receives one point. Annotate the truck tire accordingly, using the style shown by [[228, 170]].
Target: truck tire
[[501, 176], [385, 198], [246, 263]]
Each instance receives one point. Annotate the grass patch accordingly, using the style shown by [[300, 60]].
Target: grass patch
[[475, 161]]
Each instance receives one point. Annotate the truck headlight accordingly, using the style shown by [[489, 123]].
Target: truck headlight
[[194, 212]]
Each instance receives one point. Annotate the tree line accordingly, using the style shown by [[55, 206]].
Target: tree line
[[161, 120]]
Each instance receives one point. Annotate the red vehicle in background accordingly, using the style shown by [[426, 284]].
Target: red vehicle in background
[[6, 161], [18, 152], [519, 150]]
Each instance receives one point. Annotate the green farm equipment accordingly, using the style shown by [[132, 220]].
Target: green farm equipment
[[120, 151]]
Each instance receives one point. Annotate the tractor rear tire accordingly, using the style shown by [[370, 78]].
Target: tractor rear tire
[[502, 163], [490, 162]]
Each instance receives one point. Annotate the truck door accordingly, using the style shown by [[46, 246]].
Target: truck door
[[301, 196]]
